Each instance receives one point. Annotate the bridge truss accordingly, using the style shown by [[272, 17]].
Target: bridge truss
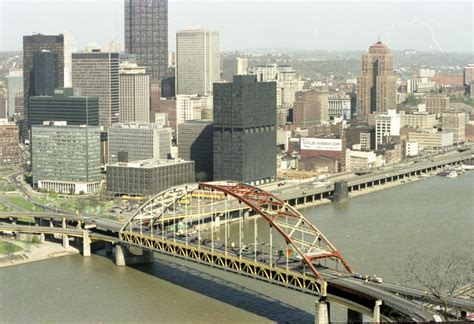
[[237, 227]]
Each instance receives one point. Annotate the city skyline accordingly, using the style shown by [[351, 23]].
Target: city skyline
[[425, 27]]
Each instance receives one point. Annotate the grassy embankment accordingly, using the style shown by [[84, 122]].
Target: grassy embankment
[[6, 248]]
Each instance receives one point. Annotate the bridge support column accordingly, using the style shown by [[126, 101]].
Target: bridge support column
[[322, 311], [42, 238], [108, 247], [353, 316], [65, 241], [119, 256], [377, 311], [341, 191], [63, 223], [86, 244]]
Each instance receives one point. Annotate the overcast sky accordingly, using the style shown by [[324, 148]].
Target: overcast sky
[[314, 25]]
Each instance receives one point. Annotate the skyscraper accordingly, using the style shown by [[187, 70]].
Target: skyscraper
[[37, 43], [15, 86], [376, 88], [66, 104], [69, 48], [146, 34], [134, 93], [44, 78], [244, 130], [97, 74], [197, 61]]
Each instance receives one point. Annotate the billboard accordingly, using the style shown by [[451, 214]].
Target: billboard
[[321, 144]]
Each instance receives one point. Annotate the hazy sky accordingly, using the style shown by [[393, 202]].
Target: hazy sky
[[353, 25]]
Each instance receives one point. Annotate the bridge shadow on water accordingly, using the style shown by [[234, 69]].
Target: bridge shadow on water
[[186, 275]]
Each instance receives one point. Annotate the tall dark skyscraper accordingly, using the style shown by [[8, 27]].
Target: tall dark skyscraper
[[44, 77], [37, 44], [244, 130], [146, 34]]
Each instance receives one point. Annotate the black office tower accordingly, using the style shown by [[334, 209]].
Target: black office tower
[[244, 130], [44, 78], [195, 144], [32, 45], [146, 34], [65, 105]]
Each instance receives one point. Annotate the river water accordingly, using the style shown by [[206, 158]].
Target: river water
[[377, 233]]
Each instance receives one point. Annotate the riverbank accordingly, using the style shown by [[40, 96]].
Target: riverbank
[[369, 190], [31, 252]]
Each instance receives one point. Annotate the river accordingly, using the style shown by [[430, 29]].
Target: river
[[377, 233]]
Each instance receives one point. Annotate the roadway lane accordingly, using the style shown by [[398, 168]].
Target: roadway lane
[[101, 223]]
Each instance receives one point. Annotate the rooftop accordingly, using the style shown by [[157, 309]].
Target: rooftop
[[148, 164]]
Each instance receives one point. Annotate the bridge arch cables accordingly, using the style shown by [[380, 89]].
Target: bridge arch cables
[[238, 226]]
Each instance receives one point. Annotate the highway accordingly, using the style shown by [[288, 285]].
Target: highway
[[392, 304], [76, 232], [423, 296], [293, 189], [101, 223]]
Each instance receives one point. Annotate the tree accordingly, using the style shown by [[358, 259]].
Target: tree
[[441, 276]]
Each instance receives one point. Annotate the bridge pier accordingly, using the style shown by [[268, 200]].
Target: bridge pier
[[376, 317], [322, 311], [63, 223], [86, 244], [341, 192], [132, 255], [42, 238], [65, 241], [119, 256], [354, 316]]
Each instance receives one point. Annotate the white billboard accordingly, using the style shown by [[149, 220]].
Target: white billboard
[[321, 144]]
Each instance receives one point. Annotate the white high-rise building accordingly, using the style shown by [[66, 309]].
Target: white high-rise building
[[386, 125], [69, 48], [189, 107], [242, 65], [184, 109], [134, 99], [285, 77], [197, 61], [15, 86]]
